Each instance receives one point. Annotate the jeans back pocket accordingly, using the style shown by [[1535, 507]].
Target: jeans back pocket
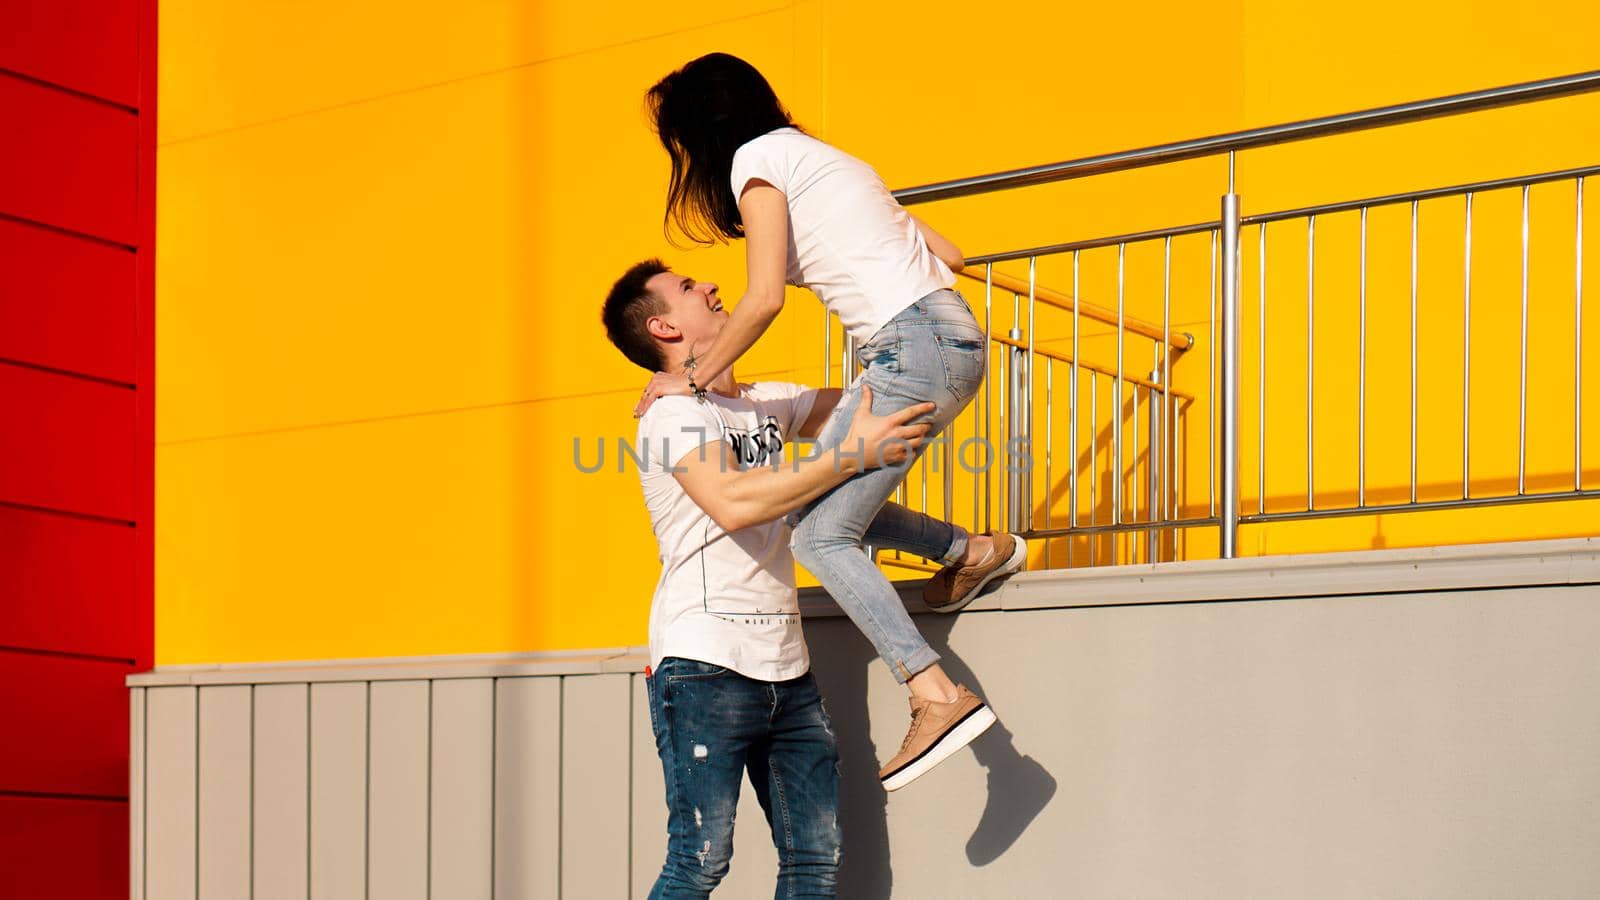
[[963, 356]]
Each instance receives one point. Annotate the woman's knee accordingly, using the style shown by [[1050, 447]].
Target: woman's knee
[[815, 536]]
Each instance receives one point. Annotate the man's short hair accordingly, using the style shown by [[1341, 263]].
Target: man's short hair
[[628, 307]]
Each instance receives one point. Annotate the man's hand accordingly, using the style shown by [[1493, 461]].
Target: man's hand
[[875, 441], [737, 498], [662, 384]]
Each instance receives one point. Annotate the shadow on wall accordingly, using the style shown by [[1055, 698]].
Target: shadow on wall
[[1018, 787]]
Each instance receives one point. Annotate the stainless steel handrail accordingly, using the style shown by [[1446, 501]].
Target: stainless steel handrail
[[1067, 303], [1154, 234], [1476, 187], [1014, 352], [1380, 117]]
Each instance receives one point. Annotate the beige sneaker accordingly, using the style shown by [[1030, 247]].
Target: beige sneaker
[[937, 731], [953, 587]]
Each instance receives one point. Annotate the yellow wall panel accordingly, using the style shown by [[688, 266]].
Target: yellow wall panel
[[386, 232], [437, 249], [227, 65], [1030, 83], [327, 286], [448, 533], [1041, 81], [230, 65], [1308, 59]]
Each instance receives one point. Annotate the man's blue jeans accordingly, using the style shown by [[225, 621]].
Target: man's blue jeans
[[711, 726]]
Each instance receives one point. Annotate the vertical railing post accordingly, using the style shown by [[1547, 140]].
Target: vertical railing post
[[827, 351], [948, 460], [1018, 496], [1027, 390], [847, 377], [1228, 536], [1155, 470]]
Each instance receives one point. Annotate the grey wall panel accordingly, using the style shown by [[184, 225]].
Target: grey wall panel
[[282, 787], [527, 802], [170, 793], [338, 791], [462, 819], [1336, 747], [136, 793], [596, 725], [648, 847], [398, 806], [224, 833]]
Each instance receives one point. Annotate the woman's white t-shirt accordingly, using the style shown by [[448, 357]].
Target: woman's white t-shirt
[[725, 599], [850, 242]]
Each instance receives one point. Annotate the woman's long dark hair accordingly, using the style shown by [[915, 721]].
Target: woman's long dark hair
[[703, 113]]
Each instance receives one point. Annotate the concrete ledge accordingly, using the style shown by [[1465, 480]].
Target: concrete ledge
[[489, 665], [1358, 573], [1366, 572], [1406, 569]]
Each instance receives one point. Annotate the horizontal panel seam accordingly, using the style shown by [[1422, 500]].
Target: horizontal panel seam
[[67, 373], [67, 513], [66, 654], [58, 795], [312, 426], [473, 76], [67, 232], [36, 81]]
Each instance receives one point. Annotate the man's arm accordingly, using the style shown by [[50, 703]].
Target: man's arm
[[738, 499]]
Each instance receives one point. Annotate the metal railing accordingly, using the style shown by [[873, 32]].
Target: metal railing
[[1007, 407]]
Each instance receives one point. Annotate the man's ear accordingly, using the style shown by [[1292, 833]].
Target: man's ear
[[661, 329]]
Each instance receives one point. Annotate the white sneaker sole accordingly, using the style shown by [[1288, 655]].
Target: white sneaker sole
[[1019, 555], [975, 724]]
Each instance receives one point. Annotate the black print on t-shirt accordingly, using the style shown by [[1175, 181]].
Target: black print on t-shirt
[[758, 447], [751, 449]]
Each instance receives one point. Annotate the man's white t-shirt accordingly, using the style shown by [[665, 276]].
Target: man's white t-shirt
[[851, 243], [725, 599]]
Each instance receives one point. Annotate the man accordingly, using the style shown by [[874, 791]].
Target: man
[[729, 682]]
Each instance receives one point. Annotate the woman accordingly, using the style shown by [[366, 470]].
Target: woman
[[813, 216]]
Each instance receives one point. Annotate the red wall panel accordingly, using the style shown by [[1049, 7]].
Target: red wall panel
[[87, 45], [67, 161], [66, 302], [75, 157], [66, 725], [66, 443], [67, 584], [54, 849]]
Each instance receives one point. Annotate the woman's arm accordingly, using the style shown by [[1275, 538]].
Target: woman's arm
[[942, 247], [821, 409], [765, 212]]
